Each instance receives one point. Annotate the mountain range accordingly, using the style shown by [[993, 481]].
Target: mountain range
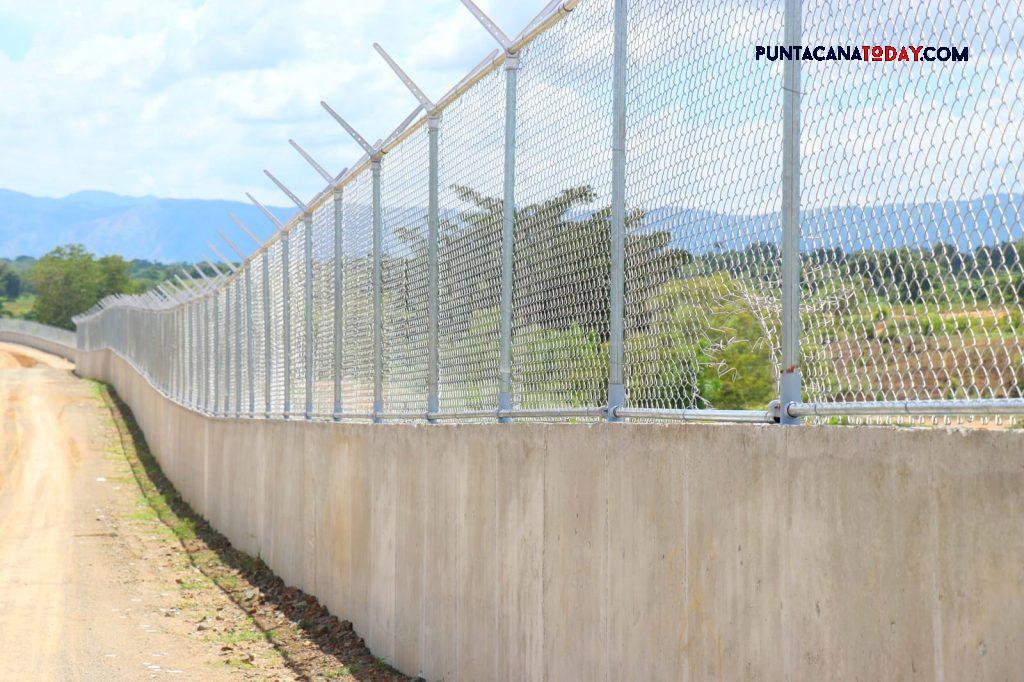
[[147, 227], [169, 230]]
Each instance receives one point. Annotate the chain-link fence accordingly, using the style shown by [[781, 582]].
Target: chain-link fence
[[635, 213]]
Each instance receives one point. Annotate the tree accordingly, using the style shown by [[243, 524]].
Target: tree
[[112, 276], [10, 283], [69, 281], [562, 257]]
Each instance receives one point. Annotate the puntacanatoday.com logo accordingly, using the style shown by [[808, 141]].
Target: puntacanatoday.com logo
[[866, 53]]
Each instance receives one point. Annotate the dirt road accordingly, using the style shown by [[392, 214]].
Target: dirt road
[[76, 601], [96, 580]]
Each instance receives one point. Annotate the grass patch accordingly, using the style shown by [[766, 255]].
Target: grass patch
[[19, 307], [197, 584], [242, 636]]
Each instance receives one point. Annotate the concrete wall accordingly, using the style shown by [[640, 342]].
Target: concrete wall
[[625, 552], [46, 345]]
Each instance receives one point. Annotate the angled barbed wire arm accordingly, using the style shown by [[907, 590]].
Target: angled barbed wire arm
[[184, 288], [162, 288], [489, 25], [181, 293], [311, 161], [371, 151], [266, 211], [168, 291], [409, 83], [232, 246], [216, 270], [298, 202], [245, 228], [191, 288], [206, 280], [232, 268]]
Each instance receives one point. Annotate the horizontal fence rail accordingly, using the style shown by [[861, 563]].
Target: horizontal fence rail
[[627, 214]]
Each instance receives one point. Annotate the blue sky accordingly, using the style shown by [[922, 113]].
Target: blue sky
[[183, 98]]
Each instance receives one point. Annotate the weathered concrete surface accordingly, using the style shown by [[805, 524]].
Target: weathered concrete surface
[[615, 552], [45, 345]]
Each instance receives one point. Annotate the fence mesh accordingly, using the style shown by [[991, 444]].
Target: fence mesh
[[703, 181], [562, 254], [275, 349], [404, 275], [296, 322], [323, 308], [471, 144], [261, 359], [913, 198], [357, 296], [911, 202]]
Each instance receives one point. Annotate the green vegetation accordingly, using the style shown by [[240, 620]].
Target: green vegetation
[[10, 282], [703, 326], [69, 280], [699, 328], [11, 286], [702, 331], [20, 307]]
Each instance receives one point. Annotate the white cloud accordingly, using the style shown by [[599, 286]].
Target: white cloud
[[189, 99]]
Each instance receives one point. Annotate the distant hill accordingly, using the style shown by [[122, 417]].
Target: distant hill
[[965, 224], [172, 230], [149, 228]]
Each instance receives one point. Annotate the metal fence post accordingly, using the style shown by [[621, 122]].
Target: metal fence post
[[308, 234], [197, 347], [249, 362], [205, 327], [199, 379], [179, 353], [339, 327], [192, 347], [789, 375], [617, 279], [433, 227], [239, 340], [179, 350], [215, 323], [227, 351], [286, 324], [378, 313], [508, 236], [267, 356]]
